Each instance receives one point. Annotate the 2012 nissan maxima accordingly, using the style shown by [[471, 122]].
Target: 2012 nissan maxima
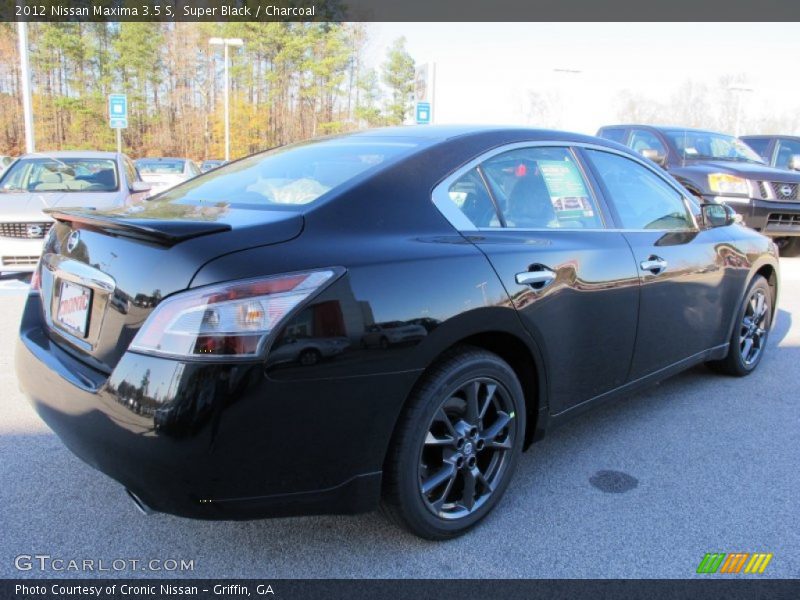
[[539, 273]]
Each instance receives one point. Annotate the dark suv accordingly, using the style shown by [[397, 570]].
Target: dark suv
[[721, 168], [779, 151]]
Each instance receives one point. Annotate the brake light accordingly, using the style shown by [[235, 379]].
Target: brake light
[[233, 320]]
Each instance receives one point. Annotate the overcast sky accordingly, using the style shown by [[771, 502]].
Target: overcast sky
[[486, 70]]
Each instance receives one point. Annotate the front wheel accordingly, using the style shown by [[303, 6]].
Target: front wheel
[[456, 445], [749, 339]]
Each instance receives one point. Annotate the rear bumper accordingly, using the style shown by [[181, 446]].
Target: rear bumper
[[216, 441], [19, 255]]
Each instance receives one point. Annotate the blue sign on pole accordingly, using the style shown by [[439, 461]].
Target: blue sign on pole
[[118, 111], [423, 113]]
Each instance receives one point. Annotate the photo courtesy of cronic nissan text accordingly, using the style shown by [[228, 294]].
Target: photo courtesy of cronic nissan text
[[362, 299]]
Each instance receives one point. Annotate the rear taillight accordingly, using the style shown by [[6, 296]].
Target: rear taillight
[[233, 320]]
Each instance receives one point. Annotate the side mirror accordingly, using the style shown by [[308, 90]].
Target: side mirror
[[655, 156], [794, 162], [140, 186], [718, 215]]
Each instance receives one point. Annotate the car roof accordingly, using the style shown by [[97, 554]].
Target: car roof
[[71, 154], [769, 137], [428, 135], [163, 158], [663, 128]]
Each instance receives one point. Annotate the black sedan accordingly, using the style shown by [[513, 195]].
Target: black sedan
[[543, 272]]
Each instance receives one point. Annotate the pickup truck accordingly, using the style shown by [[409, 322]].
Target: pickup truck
[[721, 168]]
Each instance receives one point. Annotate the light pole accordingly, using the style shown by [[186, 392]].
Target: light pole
[[25, 74], [567, 105], [225, 43], [739, 90]]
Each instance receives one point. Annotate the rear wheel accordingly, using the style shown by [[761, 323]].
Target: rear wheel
[[749, 339], [456, 445]]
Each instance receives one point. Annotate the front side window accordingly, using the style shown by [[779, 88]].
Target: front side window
[[642, 199], [130, 172], [541, 187], [646, 140], [51, 174]]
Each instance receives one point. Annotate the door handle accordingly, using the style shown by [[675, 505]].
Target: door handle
[[536, 279], [654, 264]]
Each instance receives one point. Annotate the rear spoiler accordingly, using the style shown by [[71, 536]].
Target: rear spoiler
[[165, 233]]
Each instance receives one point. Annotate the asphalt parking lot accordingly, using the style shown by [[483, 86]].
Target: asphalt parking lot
[[640, 488]]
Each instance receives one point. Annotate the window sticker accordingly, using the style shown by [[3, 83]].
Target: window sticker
[[567, 190]]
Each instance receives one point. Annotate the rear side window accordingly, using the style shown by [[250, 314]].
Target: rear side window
[[292, 175], [541, 188], [642, 199], [471, 197], [786, 149], [615, 134]]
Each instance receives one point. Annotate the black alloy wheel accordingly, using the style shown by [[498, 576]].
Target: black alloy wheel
[[750, 332], [466, 449], [456, 445]]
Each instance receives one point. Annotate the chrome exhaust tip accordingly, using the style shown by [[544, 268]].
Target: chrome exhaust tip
[[141, 506]]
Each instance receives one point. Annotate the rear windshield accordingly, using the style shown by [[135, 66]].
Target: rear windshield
[[291, 175], [51, 174], [160, 167]]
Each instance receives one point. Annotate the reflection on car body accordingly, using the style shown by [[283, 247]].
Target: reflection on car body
[[392, 332], [306, 351]]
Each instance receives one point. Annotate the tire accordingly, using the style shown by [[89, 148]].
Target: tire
[[426, 450], [309, 357], [744, 357], [790, 247]]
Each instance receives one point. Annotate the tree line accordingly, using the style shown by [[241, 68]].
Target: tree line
[[289, 81]]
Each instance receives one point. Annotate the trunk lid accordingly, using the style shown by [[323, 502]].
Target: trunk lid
[[110, 269]]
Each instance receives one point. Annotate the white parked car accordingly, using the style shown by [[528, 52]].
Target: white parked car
[[393, 332], [163, 173], [306, 351], [42, 180]]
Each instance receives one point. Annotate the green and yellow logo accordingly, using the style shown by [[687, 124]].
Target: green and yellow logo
[[733, 563]]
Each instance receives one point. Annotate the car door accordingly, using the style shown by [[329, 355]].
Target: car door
[[573, 281], [687, 283]]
